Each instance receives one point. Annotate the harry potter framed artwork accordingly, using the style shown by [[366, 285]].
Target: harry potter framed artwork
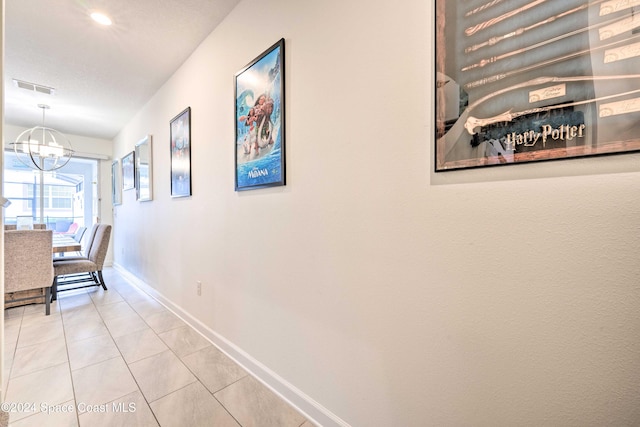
[[535, 81]]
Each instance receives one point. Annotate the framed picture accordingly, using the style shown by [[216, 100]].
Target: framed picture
[[144, 178], [259, 121], [128, 171], [181, 154], [116, 183], [535, 81]]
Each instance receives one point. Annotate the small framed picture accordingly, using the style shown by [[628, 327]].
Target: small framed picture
[[181, 154], [116, 183], [144, 167], [259, 121], [128, 171]]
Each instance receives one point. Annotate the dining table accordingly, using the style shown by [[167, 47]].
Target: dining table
[[65, 243]]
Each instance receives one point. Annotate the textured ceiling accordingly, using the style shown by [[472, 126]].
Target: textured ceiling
[[101, 75]]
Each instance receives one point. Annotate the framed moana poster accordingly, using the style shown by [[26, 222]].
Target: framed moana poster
[[535, 80], [259, 121]]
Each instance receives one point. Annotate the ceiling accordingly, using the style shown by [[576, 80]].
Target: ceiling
[[101, 76]]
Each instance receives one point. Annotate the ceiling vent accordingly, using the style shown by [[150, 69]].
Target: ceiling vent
[[33, 87]]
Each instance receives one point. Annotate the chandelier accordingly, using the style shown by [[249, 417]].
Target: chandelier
[[43, 148]]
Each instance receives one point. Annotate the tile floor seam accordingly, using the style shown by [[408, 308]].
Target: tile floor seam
[[177, 390], [188, 354], [229, 385], [177, 356], [207, 388], [15, 350], [135, 380], [139, 390], [198, 378], [120, 355], [98, 302], [13, 360], [144, 358], [29, 373], [66, 344], [33, 372], [162, 332], [93, 364], [181, 361], [180, 358], [224, 407]]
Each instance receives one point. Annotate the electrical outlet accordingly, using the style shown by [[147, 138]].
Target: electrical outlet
[[199, 288]]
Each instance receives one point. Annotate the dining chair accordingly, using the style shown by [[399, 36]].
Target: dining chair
[[73, 270], [8, 227], [78, 236], [79, 233], [27, 266], [84, 253]]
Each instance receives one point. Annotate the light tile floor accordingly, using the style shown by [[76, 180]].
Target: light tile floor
[[120, 358]]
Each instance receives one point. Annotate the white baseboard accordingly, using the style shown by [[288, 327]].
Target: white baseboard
[[304, 404]]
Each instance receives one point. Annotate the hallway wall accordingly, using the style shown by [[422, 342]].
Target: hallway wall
[[387, 294]]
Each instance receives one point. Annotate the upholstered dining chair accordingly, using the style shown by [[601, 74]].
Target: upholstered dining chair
[[79, 233], [78, 237], [69, 271], [87, 247], [9, 227], [28, 265]]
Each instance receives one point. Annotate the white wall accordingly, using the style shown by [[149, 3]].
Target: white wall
[[390, 295]]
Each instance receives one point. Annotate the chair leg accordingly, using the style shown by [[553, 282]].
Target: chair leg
[[101, 279], [54, 289], [47, 301]]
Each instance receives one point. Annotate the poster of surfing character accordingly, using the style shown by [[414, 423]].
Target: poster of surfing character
[[259, 121]]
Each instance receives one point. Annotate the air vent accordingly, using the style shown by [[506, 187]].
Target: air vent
[[33, 87]]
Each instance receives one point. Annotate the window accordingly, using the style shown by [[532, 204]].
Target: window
[[65, 193]]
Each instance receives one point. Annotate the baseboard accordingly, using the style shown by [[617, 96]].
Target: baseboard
[[308, 407]]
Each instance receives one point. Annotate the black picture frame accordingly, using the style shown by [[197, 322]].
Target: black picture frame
[[129, 171], [259, 92], [180, 145], [535, 81]]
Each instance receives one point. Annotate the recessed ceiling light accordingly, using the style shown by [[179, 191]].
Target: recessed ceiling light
[[101, 18]]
